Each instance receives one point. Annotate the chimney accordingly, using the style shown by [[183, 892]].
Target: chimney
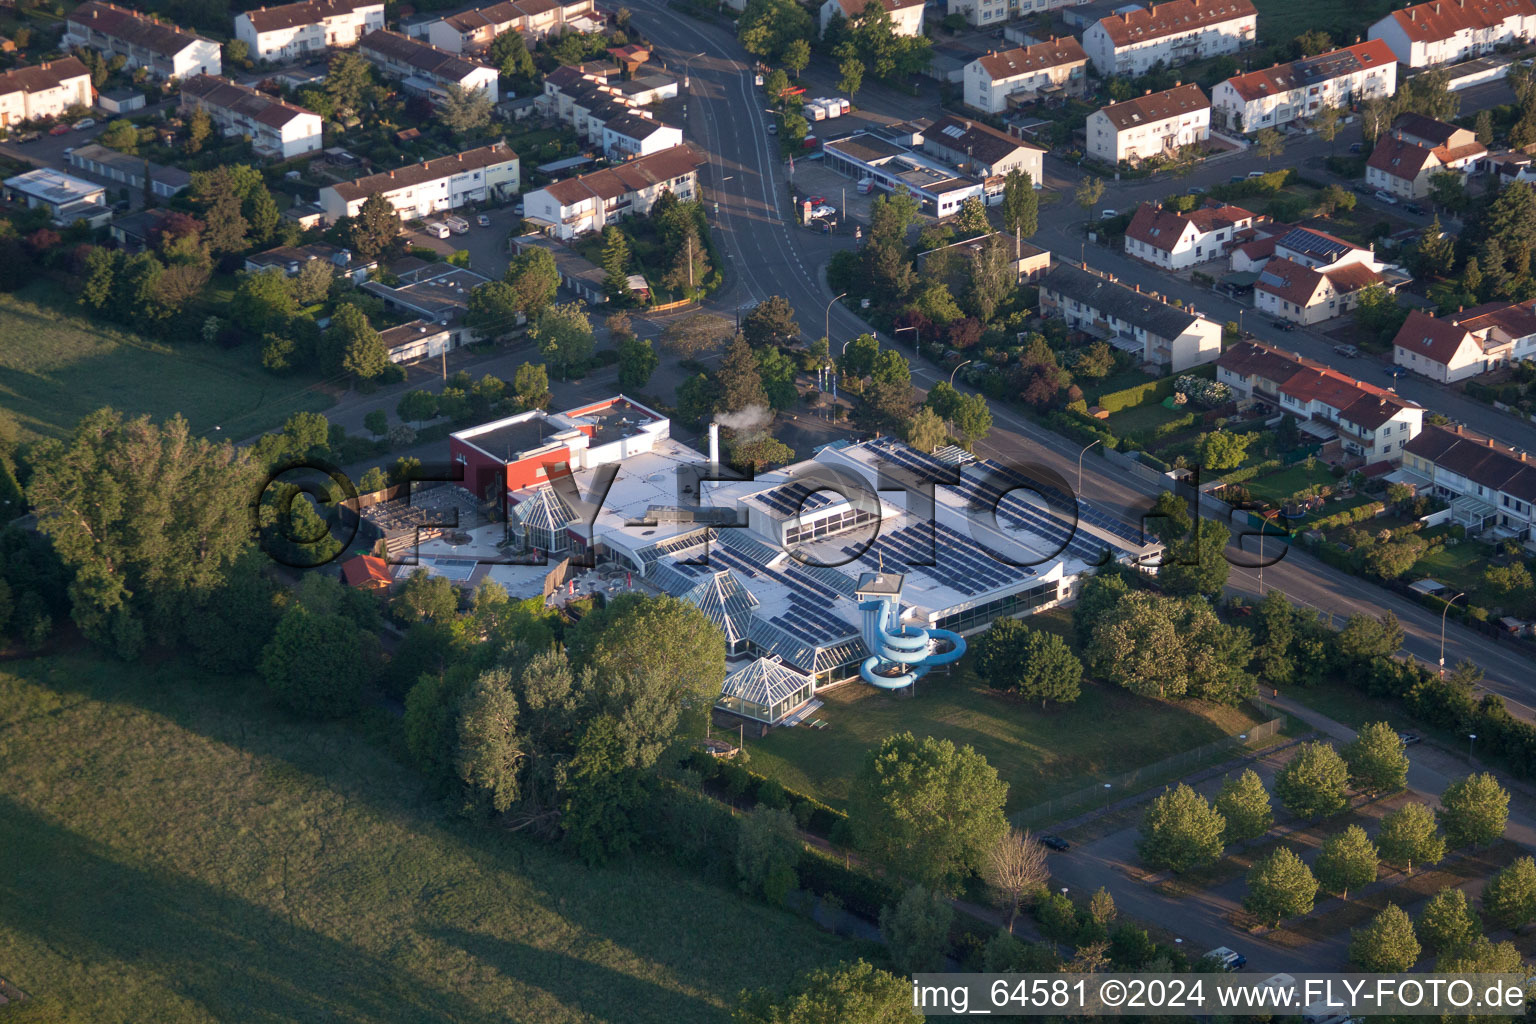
[[714, 444]]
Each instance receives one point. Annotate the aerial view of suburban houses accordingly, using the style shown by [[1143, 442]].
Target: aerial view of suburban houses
[[766, 511]]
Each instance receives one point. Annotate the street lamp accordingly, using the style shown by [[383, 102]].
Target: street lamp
[[826, 320], [1443, 613], [1080, 466], [1471, 739], [957, 370], [917, 336], [686, 62]]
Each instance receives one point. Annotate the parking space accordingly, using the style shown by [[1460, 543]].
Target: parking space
[[813, 180]]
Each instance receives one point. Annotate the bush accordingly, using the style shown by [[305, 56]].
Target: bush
[[1138, 395], [1205, 393]]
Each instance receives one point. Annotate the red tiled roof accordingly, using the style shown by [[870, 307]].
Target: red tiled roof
[[308, 12], [1442, 19], [1434, 338], [40, 77], [1399, 158], [1161, 228], [1049, 54], [143, 30], [1292, 282], [1259, 248], [1510, 319], [853, 8], [427, 170], [613, 182], [1157, 106], [1283, 77], [1477, 458], [1310, 381], [242, 99], [361, 569], [1215, 215], [1148, 23], [1351, 277]]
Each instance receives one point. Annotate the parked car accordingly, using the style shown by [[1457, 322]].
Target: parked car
[[1392, 371], [27, 137], [59, 129], [484, 220], [1348, 351], [818, 212], [1284, 325], [518, 209], [1408, 738], [1108, 214], [773, 128], [1236, 179], [1229, 959], [1354, 147], [1197, 191], [1055, 843], [1413, 208], [1364, 190], [1257, 174], [816, 200], [84, 123], [437, 230], [1383, 196]]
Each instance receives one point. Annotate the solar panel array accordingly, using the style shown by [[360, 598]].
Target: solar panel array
[[960, 563], [792, 499], [809, 623]]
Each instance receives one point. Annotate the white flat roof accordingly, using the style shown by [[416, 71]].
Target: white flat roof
[[55, 187]]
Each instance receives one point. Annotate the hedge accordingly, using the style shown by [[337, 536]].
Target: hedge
[[1358, 514], [1246, 473], [813, 815], [1140, 394], [860, 891], [1083, 429]]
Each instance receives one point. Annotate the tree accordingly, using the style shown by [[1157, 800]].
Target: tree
[[972, 218], [797, 55], [1169, 519], [1327, 125], [1448, 924], [926, 810], [758, 451], [739, 383], [1385, 946], [1377, 310], [348, 81], [1021, 208], [199, 128], [1312, 784], [926, 432], [690, 267], [637, 361], [767, 850], [853, 993], [1089, 191], [1244, 804], [120, 135], [1377, 760], [261, 213], [377, 422], [1199, 564], [564, 335], [509, 54], [917, 929], [1408, 836], [364, 353], [971, 419], [533, 274], [1483, 126], [615, 263], [1014, 868], [603, 795], [1474, 811], [767, 27], [1280, 886], [1448, 191], [464, 110], [426, 598], [850, 73], [653, 636], [1510, 896], [1222, 449], [689, 336], [374, 228], [1181, 831], [492, 309], [1335, 199], [1130, 645], [530, 386], [771, 322], [1101, 907], [1364, 638], [1268, 144], [992, 277], [490, 753], [315, 664], [417, 406], [1480, 956], [313, 282], [1347, 861], [262, 301]]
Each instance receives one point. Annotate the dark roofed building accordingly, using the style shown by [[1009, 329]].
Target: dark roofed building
[[1158, 333], [981, 150], [1489, 485]]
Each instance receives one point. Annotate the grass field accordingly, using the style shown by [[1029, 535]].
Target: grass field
[[1459, 567], [1133, 421], [1039, 753], [1277, 487], [56, 366], [1280, 21], [177, 852]]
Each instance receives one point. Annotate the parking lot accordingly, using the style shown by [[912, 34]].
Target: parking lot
[[813, 180]]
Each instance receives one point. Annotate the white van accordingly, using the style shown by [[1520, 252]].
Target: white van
[[866, 186], [437, 230], [458, 225]]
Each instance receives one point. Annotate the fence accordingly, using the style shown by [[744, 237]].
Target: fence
[[1120, 786]]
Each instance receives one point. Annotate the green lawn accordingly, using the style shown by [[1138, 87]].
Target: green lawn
[[56, 366], [1280, 21], [1277, 487], [1039, 753], [175, 851], [1459, 566], [1148, 417]]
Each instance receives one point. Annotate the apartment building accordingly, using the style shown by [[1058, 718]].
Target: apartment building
[[419, 190], [1458, 347], [636, 133], [1370, 423], [1176, 241], [1447, 31], [1285, 93], [1173, 33], [142, 40], [423, 68], [1054, 69], [44, 90], [906, 15], [1158, 124], [576, 206], [473, 30], [982, 151], [590, 99], [1171, 338], [1488, 484], [299, 30], [277, 129], [989, 13], [1415, 150], [1313, 276]]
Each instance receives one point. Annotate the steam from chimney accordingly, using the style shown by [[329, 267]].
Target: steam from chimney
[[752, 418]]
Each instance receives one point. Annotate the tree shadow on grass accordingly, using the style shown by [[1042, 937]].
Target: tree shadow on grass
[[236, 960]]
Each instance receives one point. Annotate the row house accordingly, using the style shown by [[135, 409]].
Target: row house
[[44, 90], [423, 68], [1415, 150], [608, 112], [1370, 423], [989, 13], [1054, 69], [1128, 44], [419, 190], [1448, 31], [1453, 348], [906, 15], [303, 29], [1489, 485], [472, 31], [578, 206], [103, 164], [1158, 124], [635, 133], [982, 151], [276, 128], [1170, 338], [1277, 96], [142, 40], [1176, 241]]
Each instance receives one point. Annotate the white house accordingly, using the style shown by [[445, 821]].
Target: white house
[[1415, 150], [576, 206], [44, 90], [1489, 485], [67, 198], [1158, 124], [419, 339], [490, 172], [1172, 33], [1176, 241], [1369, 422], [1447, 31], [423, 68], [1054, 69], [633, 134], [304, 29], [276, 128], [906, 15], [142, 40], [1271, 97], [1314, 276], [989, 13], [982, 151], [1168, 337], [1452, 348], [473, 30]]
